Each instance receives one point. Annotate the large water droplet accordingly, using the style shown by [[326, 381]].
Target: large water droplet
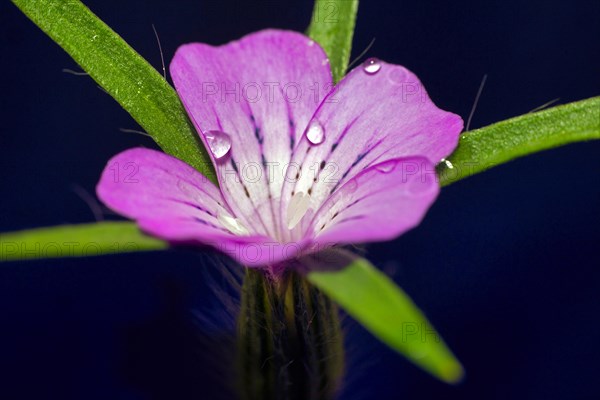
[[297, 209], [315, 132], [234, 225], [218, 142], [372, 66]]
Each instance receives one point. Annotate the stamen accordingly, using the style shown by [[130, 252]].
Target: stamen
[[297, 209], [234, 225]]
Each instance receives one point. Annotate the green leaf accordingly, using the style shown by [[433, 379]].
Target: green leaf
[[332, 26], [123, 73], [76, 241], [387, 312], [483, 148]]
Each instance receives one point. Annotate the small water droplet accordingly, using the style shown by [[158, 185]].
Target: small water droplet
[[311, 43], [352, 186], [372, 66], [315, 132], [218, 142], [233, 225], [448, 164], [297, 209], [397, 75], [386, 167]]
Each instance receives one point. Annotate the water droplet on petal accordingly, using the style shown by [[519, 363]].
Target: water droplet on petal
[[311, 43], [234, 225], [386, 167], [372, 66], [218, 142], [315, 132], [297, 209], [352, 186], [397, 75]]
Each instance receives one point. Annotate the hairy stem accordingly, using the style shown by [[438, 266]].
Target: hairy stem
[[289, 340]]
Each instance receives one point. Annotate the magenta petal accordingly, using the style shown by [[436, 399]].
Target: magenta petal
[[147, 184], [261, 91], [371, 117], [380, 203], [172, 201]]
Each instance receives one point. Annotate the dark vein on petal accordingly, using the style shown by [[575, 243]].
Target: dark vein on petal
[[292, 125], [247, 193], [333, 147], [196, 219], [170, 173], [187, 203], [217, 118]]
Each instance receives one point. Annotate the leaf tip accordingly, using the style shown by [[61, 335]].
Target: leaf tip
[[452, 372]]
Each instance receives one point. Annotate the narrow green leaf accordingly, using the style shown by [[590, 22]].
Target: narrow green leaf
[[483, 148], [123, 73], [76, 241], [387, 312], [332, 26]]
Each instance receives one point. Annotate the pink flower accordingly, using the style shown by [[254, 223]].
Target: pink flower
[[302, 165]]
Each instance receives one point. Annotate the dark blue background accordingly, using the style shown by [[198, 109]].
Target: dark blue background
[[505, 264]]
